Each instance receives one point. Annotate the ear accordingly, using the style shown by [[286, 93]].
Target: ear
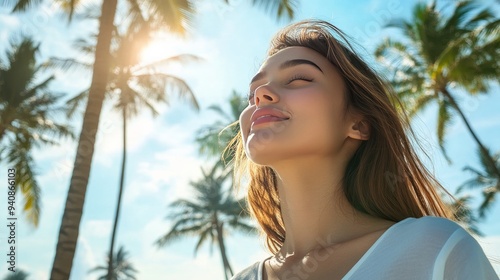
[[360, 130]]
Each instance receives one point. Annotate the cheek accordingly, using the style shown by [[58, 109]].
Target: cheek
[[245, 122], [318, 109], [321, 121]]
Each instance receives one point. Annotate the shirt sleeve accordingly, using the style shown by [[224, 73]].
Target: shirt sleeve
[[250, 273], [462, 258]]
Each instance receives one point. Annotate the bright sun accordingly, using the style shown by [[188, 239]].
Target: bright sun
[[152, 52], [162, 46]]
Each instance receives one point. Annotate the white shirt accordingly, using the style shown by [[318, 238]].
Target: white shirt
[[424, 248]]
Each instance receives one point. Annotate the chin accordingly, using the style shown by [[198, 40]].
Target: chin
[[259, 155], [267, 155], [262, 154]]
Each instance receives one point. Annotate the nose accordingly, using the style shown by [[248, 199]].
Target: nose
[[265, 95]]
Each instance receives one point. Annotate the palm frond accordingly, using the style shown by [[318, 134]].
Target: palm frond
[[489, 195], [18, 155], [243, 227], [165, 62], [465, 215], [75, 102], [282, 8], [85, 46], [216, 108], [460, 15], [176, 14], [419, 104], [486, 179], [28, 110], [212, 208], [23, 5], [444, 119], [144, 101], [204, 236], [480, 180], [213, 138], [178, 85], [135, 13], [66, 64], [175, 234], [121, 268]]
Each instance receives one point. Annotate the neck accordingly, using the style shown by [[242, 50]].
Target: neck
[[315, 211]]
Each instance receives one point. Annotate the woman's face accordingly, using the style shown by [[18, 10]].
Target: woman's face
[[296, 109]]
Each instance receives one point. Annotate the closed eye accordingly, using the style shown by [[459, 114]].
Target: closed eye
[[294, 78], [299, 78]]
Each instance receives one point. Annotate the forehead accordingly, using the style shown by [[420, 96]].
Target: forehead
[[295, 52]]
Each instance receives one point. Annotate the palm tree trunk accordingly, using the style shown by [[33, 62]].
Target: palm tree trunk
[[120, 193], [228, 271], [484, 151], [68, 232]]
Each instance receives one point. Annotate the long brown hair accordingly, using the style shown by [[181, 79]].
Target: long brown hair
[[384, 178]]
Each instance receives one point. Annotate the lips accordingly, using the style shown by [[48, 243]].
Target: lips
[[269, 114]]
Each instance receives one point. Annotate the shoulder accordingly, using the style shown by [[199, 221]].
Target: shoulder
[[439, 231], [249, 273], [429, 225], [456, 254], [431, 222], [426, 234]]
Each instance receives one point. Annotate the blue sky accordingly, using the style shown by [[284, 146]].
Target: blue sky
[[163, 157]]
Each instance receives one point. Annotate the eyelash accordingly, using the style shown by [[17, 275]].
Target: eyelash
[[299, 77], [294, 78]]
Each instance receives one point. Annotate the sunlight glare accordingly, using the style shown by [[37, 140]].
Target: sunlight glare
[[162, 46]]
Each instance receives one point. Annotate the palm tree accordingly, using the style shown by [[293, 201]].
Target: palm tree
[[122, 267], [27, 112], [465, 215], [18, 275], [133, 86], [486, 179], [440, 53], [208, 217], [69, 229], [150, 86], [212, 139], [174, 14], [281, 8]]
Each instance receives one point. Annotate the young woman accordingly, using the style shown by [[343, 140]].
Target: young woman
[[332, 177]]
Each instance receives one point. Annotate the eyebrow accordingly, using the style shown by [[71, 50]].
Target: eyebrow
[[288, 64]]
